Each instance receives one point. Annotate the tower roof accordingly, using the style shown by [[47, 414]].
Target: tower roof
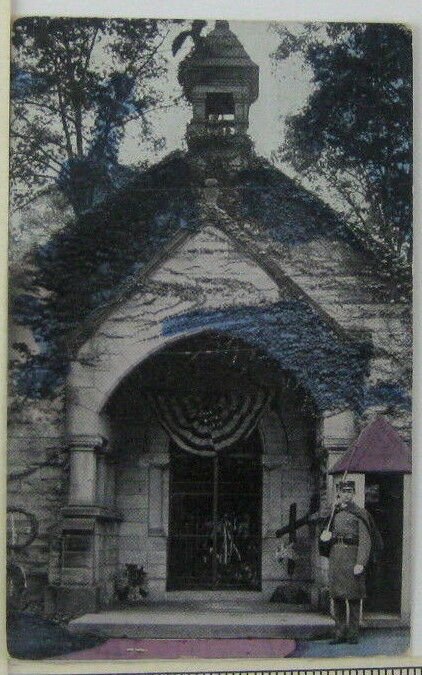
[[223, 47], [220, 49], [378, 449]]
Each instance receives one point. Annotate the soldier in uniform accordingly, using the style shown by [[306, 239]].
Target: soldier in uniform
[[353, 536]]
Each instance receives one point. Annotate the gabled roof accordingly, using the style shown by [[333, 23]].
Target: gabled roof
[[208, 214], [378, 449]]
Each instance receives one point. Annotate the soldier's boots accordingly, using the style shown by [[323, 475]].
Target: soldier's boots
[[338, 639], [352, 639]]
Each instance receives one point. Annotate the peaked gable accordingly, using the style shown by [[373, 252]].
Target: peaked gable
[[222, 260]]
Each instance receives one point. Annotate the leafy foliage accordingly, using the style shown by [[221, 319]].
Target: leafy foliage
[[80, 268], [356, 128], [76, 83], [297, 339], [291, 215]]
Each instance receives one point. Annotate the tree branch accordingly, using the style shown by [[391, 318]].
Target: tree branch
[[152, 54], [38, 104], [42, 151]]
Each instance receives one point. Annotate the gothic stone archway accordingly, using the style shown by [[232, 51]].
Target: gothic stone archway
[[281, 459]]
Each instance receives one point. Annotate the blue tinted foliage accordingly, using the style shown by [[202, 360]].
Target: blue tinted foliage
[[24, 83], [329, 366], [86, 181], [82, 266], [285, 211], [387, 393]]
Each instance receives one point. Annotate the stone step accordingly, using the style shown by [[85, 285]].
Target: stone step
[[190, 620], [384, 620], [211, 595], [222, 614]]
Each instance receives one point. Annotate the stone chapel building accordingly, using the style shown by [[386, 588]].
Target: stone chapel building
[[243, 338]]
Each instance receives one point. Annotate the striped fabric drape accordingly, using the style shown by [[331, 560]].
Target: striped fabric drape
[[205, 423]]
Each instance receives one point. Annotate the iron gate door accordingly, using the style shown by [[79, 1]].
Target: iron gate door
[[215, 519]]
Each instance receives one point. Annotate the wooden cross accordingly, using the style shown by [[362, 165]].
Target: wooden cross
[[291, 529]]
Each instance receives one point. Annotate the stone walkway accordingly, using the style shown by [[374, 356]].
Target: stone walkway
[[373, 642], [118, 648]]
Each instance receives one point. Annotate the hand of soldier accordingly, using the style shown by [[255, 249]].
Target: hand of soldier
[[358, 569]]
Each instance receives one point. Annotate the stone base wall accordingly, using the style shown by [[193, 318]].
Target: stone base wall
[[38, 479]]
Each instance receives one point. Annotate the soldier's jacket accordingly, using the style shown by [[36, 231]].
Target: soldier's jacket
[[352, 546]]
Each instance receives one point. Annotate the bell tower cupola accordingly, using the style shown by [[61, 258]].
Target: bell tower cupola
[[221, 81]]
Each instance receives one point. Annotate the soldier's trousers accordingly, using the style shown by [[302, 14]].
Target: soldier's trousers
[[346, 618]]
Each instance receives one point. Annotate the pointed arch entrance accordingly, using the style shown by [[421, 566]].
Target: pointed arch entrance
[[206, 518]]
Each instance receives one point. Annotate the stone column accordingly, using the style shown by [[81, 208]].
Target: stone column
[[83, 469], [101, 483], [110, 488], [271, 488], [158, 497], [88, 531]]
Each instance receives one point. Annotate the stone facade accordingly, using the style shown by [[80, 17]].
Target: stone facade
[[97, 475], [116, 509]]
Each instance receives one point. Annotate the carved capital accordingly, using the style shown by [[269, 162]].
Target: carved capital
[[87, 443]]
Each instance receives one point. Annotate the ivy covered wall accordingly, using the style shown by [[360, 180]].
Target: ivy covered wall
[[294, 335], [84, 266]]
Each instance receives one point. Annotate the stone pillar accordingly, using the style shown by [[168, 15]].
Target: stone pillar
[[101, 483], [158, 479], [110, 486], [338, 428], [83, 470], [271, 491], [85, 579]]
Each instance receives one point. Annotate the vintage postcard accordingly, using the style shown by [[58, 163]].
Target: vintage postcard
[[210, 339]]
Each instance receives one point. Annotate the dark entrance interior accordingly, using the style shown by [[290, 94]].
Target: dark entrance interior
[[215, 518], [384, 500]]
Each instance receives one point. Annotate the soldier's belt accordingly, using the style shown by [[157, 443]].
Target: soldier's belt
[[350, 541]]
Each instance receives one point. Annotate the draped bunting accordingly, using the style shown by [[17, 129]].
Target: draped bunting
[[209, 422]]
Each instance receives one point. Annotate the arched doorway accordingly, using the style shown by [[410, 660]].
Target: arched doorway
[[215, 518], [204, 519]]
